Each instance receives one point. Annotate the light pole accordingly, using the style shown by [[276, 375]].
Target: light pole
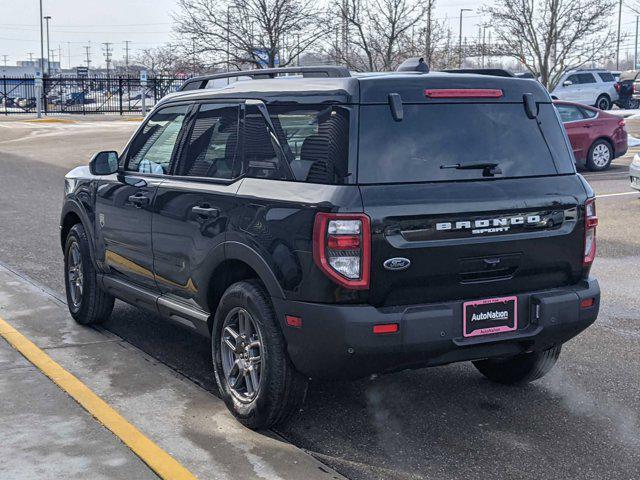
[[618, 42], [460, 39], [47, 18], [38, 81]]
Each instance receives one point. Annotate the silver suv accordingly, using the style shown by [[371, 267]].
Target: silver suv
[[589, 87]]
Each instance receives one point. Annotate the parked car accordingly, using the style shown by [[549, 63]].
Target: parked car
[[425, 219], [597, 137], [634, 172], [624, 86], [589, 87]]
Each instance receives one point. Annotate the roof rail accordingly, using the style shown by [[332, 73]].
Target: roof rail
[[326, 71]]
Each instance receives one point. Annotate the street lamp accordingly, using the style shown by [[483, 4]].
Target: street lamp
[[47, 18], [460, 39]]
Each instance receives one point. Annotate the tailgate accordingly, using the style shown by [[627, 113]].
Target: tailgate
[[466, 240]]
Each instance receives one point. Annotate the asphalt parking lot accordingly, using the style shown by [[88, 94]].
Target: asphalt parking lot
[[581, 421]]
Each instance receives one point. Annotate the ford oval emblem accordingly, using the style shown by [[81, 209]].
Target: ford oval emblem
[[397, 263]]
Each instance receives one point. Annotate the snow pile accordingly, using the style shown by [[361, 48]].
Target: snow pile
[[633, 141]]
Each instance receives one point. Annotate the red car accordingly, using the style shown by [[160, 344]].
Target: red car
[[596, 137]]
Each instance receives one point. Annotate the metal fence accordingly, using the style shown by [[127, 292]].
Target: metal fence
[[84, 95]]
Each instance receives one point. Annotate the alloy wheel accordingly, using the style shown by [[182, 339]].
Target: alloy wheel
[[241, 350], [75, 277]]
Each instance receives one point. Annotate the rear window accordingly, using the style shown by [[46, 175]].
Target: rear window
[[431, 139]]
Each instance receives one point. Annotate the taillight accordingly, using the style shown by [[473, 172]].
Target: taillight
[[463, 93], [590, 222], [342, 248], [616, 86], [621, 123]]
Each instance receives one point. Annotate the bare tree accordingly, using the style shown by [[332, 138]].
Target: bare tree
[[379, 32], [164, 60], [258, 33], [551, 36]]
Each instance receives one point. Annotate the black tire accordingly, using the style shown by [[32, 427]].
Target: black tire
[[281, 389], [603, 102], [523, 368], [93, 305], [600, 156]]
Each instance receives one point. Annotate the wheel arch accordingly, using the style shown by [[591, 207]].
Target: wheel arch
[[241, 262], [73, 214]]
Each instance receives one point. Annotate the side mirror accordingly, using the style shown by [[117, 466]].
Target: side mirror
[[104, 163], [567, 83]]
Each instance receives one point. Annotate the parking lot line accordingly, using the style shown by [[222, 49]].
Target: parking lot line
[[163, 464], [617, 194]]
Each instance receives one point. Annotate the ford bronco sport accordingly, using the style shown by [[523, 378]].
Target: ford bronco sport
[[317, 224]]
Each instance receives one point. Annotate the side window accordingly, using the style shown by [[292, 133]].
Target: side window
[[260, 150], [586, 78], [152, 148], [213, 143], [606, 77], [573, 79], [569, 113], [588, 113], [317, 139]]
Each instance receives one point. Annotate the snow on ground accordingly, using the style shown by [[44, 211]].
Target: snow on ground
[[633, 141], [630, 114]]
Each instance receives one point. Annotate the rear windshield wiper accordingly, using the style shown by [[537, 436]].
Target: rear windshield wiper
[[488, 169]]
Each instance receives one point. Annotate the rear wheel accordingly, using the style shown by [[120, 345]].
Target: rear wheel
[[255, 376], [522, 368], [600, 156], [87, 302], [603, 102]]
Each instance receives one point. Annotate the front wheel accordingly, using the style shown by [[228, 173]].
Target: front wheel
[[87, 302], [522, 368], [255, 376]]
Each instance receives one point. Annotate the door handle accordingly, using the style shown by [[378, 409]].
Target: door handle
[[588, 125], [207, 212], [139, 200]]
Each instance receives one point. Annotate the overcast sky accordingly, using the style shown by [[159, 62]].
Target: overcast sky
[[146, 23]]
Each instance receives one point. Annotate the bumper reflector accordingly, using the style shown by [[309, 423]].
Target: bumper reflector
[[292, 321], [587, 302], [385, 328]]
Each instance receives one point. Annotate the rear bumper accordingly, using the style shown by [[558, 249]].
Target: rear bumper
[[337, 341]]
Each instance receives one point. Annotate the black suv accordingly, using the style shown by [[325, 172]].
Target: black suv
[[316, 224]]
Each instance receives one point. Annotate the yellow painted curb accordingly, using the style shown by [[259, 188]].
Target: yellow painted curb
[[50, 120], [163, 464]]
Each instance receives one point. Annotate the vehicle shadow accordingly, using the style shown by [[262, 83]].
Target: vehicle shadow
[[444, 423]]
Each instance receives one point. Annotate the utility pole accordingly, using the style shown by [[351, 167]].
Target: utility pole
[[30, 56], [47, 18], [126, 54], [635, 54], [460, 37], [38, 79], [107, 55], [618, 42], [4, 58], [87, 50], [427, 34], [69, 54]]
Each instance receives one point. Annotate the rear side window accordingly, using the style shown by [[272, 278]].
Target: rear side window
[[569, 113], [432, 139], [606, 77], [152, 148], [213, 143], [311, 141]]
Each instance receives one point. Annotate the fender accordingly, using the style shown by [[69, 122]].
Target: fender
[[71, 205], [239, 251]]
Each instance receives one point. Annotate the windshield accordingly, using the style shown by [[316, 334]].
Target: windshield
[[432, 139]]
